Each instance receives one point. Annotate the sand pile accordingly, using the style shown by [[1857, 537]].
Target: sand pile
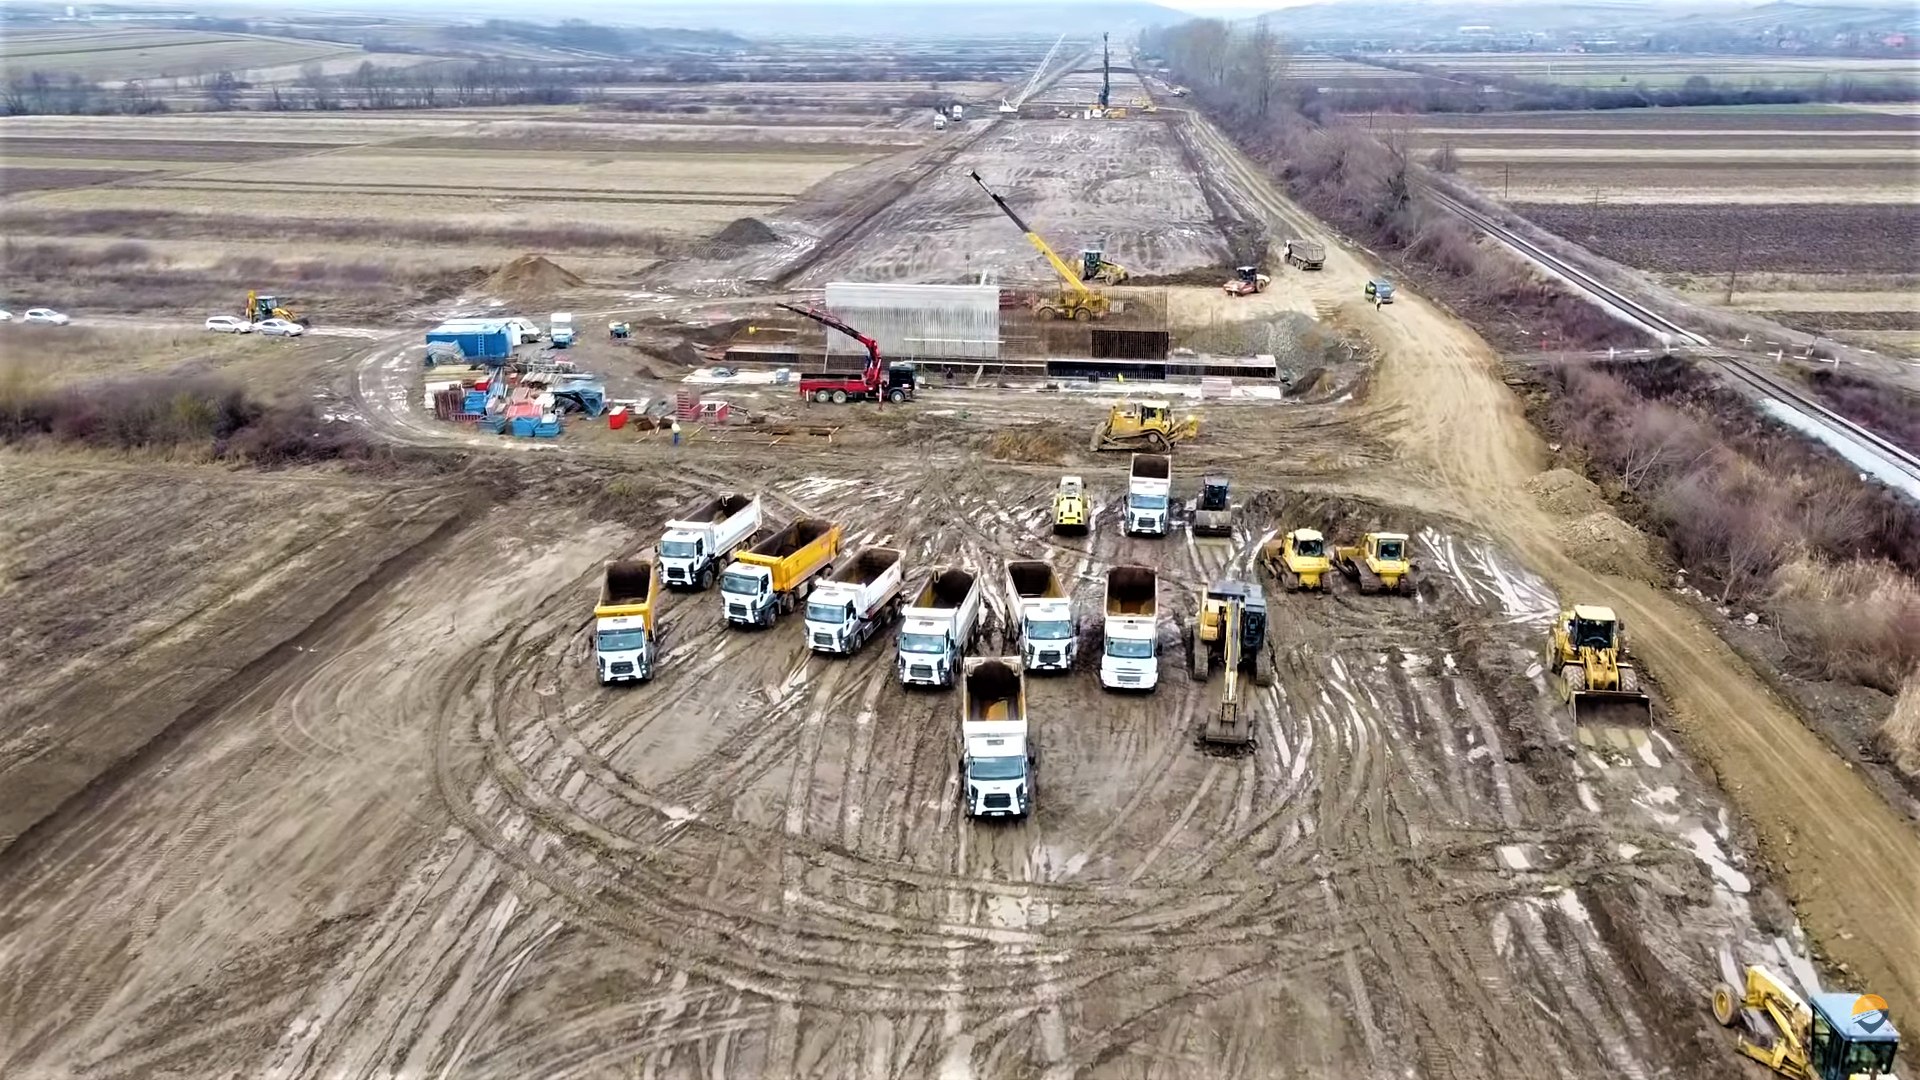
[[532, 275], [746, 231], [1605, 544], [1565, 493]]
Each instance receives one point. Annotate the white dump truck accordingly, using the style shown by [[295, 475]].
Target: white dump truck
[[623, 639], [701, 540], [1129, 660], [1149, 494], [997, 753], [939, 627], [863, 595], [1045, 614]]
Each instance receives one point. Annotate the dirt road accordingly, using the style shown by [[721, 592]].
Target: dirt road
[[1850, 863]]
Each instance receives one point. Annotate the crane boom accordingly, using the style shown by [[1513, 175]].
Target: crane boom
[[1106, 72], [1038, 72], [1060, 267], [871, 377]]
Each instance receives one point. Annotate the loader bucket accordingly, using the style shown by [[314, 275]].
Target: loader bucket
[[1595, 709]]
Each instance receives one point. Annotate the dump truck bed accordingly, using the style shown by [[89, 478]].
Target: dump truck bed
[[1033, 579], [795, 552], [1130, 591], [630, 587], [993, 690]]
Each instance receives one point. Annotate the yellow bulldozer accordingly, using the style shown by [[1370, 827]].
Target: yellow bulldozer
[[1835, 1036], [1143, 425], [1586, 653], [1070, 507], [1230, 626], [1299, 560], [1380, 562], [261, 308]]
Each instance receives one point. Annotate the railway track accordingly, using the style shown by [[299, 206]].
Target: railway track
[[1892, 464]]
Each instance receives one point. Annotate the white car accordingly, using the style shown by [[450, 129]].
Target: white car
[[6, 316], [279, 328], [229, 324], [45, 315]]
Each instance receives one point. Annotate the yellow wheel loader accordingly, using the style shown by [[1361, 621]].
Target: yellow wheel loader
[[1231, 626], [1380, 562], [1143, 425], [1299, 560], [1586, 654], [261, 308], [1070, 507], [1833, 1037]]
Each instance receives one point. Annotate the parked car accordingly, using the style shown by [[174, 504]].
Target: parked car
[[229, 324], [45, 315], [6, 316], [279, 328]]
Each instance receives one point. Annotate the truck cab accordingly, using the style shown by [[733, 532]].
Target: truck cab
[[747, 591], [622, 649], [561, 332], [1047, 640], [681, 552], [1129, 659], [998, 769]]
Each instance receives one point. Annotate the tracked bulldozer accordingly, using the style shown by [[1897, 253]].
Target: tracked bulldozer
[[1586, 653], [1143, 425], [1231, 627], [1833, 1036], [1299, 560], [1380, 562]]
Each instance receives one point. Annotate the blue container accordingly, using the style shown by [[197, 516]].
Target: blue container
[[494, 424], [523, 426], [474, 403], [476, 341], [547, 430]]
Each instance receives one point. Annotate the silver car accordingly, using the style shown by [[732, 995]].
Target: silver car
[[279, 328], [229, 324]]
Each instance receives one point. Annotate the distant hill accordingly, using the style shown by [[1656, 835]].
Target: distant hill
[[933, 20], [1406, 20]]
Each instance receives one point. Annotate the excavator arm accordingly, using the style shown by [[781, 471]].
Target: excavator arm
[[1059, 265], [875, 366], [1230, 653]]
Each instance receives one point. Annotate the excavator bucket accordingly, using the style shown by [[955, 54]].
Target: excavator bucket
[[1229, 727]]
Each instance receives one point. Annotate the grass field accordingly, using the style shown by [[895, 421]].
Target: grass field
[[114, 55], [1660, 69]]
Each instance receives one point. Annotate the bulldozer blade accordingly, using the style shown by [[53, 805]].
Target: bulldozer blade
[[1612, 709]]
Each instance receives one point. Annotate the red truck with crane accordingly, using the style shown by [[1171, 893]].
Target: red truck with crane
[[879, 381]]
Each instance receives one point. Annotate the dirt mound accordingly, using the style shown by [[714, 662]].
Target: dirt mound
[[1606, 545], [746, 231], [1043, 445], [1565, 493], [532, 275]]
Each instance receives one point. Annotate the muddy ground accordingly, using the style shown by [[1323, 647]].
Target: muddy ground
[[423, 839], [331, 789]]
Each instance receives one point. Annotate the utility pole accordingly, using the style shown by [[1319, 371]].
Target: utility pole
[[1733, 270], [1506, 185]]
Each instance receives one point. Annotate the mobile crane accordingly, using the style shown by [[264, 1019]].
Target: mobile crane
[[879, 380], [1075, 300]]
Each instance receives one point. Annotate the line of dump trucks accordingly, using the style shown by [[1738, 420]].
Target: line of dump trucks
[[848, 597]]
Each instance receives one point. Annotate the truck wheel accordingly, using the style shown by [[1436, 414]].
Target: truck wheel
[[821, 396], [1047, 313], [1083, 315], [839, 397], [897, 396], [706, 578]]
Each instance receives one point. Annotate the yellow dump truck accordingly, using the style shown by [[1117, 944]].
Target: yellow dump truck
[[775, 575], [623, 638]]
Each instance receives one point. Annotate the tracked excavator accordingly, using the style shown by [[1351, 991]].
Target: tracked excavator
[[1299, 560], [1586, 653], [1230, 626], [1833, 1036], [1143, 425], [1075, 300]]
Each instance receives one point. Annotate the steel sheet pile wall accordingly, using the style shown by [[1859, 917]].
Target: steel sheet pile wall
[[935, 322]]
